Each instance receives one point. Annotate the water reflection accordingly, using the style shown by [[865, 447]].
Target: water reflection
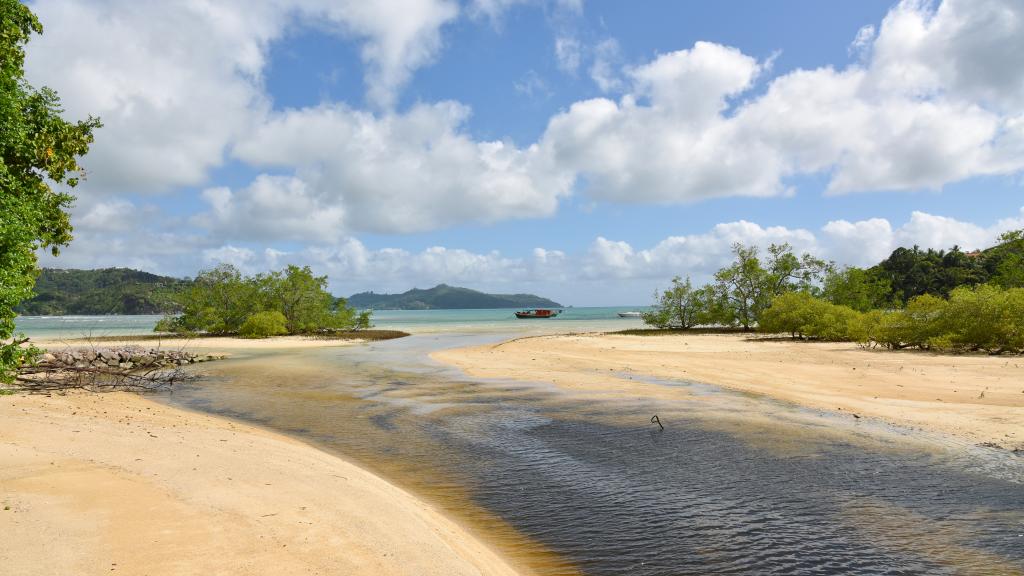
[[565, 483]]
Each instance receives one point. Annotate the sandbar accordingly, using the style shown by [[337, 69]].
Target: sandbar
[[974, 398]]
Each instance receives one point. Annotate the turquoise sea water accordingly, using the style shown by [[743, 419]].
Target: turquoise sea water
[[414, 321]]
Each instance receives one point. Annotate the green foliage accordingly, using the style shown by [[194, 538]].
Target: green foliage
[[264, 325], [983, 318], [748, 285], [38, 149], [914, 272], [856, 288], [217, 302], [682, 307], [106, 291], [805, 316], [222, 300]]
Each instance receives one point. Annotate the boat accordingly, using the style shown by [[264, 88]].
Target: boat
[[538, 313], [633, 314]]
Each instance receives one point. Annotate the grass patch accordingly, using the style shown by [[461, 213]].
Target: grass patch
[[371, 335]]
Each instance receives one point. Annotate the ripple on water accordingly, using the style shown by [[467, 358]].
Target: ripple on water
[[711, 494]]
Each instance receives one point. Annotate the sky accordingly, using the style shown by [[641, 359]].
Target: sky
[[584, 150]]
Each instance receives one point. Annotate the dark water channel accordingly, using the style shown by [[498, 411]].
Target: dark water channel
[[565, 483]]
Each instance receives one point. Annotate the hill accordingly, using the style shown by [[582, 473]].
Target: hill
[[444, 297], [107, 291], [912, 271]]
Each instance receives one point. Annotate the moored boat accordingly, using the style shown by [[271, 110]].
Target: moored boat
[[633, 314], [538, 313]]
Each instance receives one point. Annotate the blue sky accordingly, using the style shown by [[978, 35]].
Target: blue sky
[[586, 150]]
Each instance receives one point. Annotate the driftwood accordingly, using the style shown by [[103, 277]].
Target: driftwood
[[128, 368], [42, 379]]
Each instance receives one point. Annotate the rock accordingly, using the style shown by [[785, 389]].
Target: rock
[[90, 355], [47, 358]]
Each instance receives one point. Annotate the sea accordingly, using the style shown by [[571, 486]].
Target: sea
[[495, 320], [567, 482]]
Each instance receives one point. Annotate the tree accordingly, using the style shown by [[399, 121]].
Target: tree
[[682, 306], [217, 302], [39, 151], [223, 301], [304, 301], [856, 288], [748, 286]]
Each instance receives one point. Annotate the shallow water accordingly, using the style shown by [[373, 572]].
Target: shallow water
[[564, 483], [497, 320]]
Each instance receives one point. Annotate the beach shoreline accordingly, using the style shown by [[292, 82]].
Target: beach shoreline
[[974, 399], [119, 483]]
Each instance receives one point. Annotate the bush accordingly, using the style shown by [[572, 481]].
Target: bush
[[264, 325], [803, 315]]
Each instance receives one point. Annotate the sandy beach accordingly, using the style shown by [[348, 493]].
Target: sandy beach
[[979, 399], [119, 484]]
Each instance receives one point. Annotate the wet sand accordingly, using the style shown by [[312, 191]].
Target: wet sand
[[116, 483], [977, 399]]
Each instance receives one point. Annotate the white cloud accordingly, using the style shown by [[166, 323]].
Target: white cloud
[[177, 82], [862, 41], [679, 146], [625, 273], [937, 100], [604, 68], [696, 255], [272, 208], [494, 10], [406, 172], [532, 85], [568, 54]]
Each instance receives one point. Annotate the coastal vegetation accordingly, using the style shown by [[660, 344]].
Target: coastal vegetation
[[445, 297], [39, 153], [223, 301], [947, 301]]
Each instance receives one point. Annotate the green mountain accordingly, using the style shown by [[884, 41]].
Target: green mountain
[[444, 297], [107, 291]]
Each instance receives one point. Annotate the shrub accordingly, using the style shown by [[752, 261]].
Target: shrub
[[803, 315], [264, 325]]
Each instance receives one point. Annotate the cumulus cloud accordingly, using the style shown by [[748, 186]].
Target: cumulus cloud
[[405, 172], [177, 82], [697, 255], [170, 247], [936, 101], [272, 208]]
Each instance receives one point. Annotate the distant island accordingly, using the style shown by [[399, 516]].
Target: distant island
[[444, 297], [61, 292]]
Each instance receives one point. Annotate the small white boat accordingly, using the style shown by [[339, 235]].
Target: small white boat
[[633, 314]]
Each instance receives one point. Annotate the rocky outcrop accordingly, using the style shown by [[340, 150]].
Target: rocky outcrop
[[121, 358]]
